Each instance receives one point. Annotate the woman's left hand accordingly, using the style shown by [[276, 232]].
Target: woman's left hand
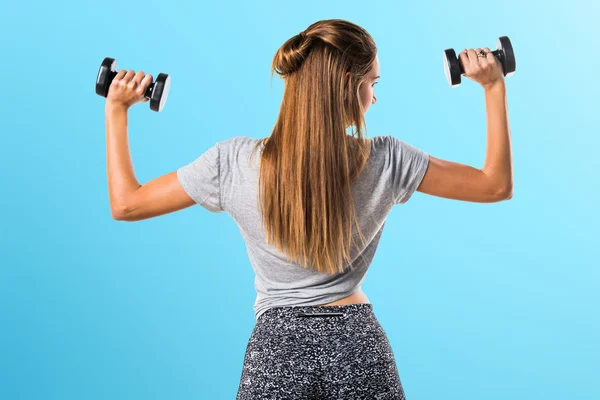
[[128, 88]]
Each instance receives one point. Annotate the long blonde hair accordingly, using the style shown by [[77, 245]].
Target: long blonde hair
[[309, 161]]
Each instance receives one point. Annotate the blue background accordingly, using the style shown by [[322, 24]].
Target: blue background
[[480, 301]]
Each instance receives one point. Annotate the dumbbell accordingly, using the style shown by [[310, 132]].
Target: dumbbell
[[157, 92], [454, 69]]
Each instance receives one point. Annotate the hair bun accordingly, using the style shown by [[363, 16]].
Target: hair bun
[[291, 55]]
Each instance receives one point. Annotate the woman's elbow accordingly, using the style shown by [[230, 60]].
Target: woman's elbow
[[122, 214]]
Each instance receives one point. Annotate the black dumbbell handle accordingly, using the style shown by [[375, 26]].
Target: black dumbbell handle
[[147, 93], [497, 53]]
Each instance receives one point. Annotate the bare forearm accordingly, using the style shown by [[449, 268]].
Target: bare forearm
[[121, 177], [498, 159]]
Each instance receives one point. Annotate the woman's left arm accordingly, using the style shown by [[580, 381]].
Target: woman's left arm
[[130, 201]]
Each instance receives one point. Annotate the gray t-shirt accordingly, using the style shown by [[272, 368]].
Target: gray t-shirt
[[222, 179]]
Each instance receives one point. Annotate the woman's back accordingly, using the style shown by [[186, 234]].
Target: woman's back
[[224, 178]]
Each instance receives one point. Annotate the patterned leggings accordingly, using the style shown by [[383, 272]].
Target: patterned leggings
[[319, 352]]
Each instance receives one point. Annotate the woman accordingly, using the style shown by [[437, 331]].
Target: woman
[[312, 206]]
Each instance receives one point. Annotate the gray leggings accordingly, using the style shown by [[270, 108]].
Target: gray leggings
[[319, 352]]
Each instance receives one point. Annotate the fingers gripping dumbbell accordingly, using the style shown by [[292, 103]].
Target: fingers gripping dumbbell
[[157, 92], [454, 69]]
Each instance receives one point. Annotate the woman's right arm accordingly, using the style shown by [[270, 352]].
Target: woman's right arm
[[494, 182]]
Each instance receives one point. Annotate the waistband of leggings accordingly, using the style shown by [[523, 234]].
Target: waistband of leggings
[[318, 311]]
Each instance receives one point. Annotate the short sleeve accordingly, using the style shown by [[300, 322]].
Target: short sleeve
[[201, 179], [409, 164]]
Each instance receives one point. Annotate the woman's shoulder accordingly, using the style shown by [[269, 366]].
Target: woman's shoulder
[[237, 144]]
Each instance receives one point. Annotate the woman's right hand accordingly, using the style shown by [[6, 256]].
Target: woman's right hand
[[487, 71]]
